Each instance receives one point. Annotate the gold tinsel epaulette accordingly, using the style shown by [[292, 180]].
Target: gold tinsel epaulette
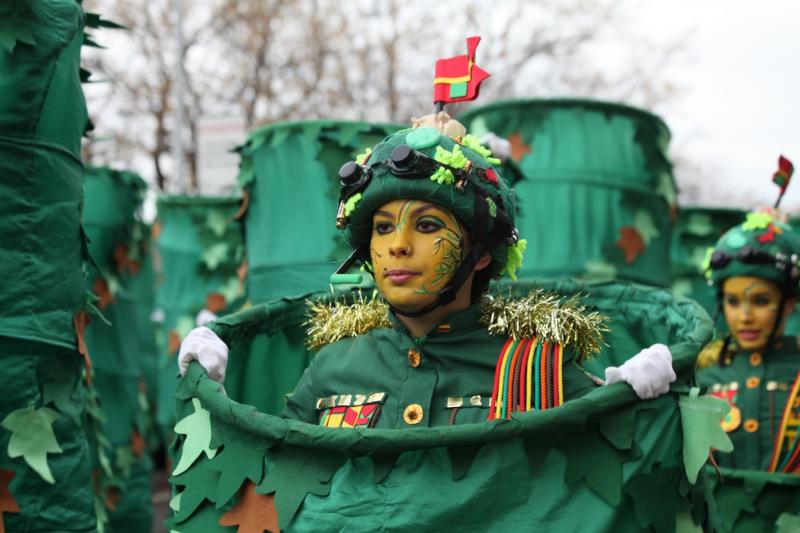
[[329, 322], [548, 317], [709, 355]]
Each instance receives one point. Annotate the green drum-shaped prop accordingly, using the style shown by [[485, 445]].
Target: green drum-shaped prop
[[603, 462], [119, 245], [696, 230], [289, 171], [45, 471], [598, 190], [201, 251]]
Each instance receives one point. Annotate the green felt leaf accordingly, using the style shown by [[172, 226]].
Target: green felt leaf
[[241, 458], [311, 131], [217, 222], [184, 325], [599, 270], [348, 134], [231, 289], [731, 502], [278, 137], [682, 287], [618, 428], [297, 473], [200, 484], [197, 428], [462, 458], [32, 437], [592, 458], [787, 523], [651, 502], [478, 126], [101, 514], [215, 254], [125, 460], [205, 520], [537, 451], [643, 222], [15, 18], [175, 502], [700, 421], [700, 224], [59, 393], [382, 465]]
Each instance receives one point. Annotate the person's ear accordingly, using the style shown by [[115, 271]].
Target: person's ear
[[484, 261]]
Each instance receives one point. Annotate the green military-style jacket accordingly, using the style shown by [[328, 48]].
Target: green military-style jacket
[[757, 388], [387, 379]]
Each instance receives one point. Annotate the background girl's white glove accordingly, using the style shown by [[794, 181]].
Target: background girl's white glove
[[649, 372], [203, 345], [204, 317]]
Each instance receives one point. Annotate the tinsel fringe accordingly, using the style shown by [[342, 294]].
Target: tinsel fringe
[[540, 314], [548, 317], [329, 322]]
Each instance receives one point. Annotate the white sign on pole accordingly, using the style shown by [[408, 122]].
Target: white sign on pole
[[217, 166]]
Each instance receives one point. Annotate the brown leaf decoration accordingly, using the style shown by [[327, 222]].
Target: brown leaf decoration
[[215, 302], [137, 444], [255, 513], [174, 343], [124, 262], [155, 231], [7, 502], [518, 147], [631, 243], [80, 321], [112, 498], [100, 288], [241, 272]]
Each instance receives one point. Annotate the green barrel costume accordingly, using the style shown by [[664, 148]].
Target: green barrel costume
[[45, 467], [759, 386], [201, 251], [597, 195], [118, 243], [601, 462]]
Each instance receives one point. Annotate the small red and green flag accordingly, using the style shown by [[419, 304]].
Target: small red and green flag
[[784, 173], [458, 79]]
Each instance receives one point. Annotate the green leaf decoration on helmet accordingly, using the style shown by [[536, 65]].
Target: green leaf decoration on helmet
[[763, 247], [423, 163]]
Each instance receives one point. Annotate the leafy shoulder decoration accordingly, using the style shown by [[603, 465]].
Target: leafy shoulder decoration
[[540, 314]]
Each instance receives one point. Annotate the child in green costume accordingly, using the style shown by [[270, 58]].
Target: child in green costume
[[430, 217], [756, 369]]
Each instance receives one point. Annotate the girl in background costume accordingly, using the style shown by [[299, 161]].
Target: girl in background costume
[[756, 369]]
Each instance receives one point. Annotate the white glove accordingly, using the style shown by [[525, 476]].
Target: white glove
[[649, 372], [500, 147], [204, 317], [203, 345]]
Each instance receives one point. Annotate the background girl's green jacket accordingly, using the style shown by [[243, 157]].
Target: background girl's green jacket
[[757, 387]]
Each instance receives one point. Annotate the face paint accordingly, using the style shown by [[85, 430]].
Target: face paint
[[751, 306], [415, 248]]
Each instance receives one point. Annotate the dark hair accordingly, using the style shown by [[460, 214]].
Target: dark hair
[[480, 283]]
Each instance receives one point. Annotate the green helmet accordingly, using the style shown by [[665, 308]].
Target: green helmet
[[458, 174], [763, 247]]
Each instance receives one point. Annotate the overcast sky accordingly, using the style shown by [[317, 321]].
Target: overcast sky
[[740, 81]]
